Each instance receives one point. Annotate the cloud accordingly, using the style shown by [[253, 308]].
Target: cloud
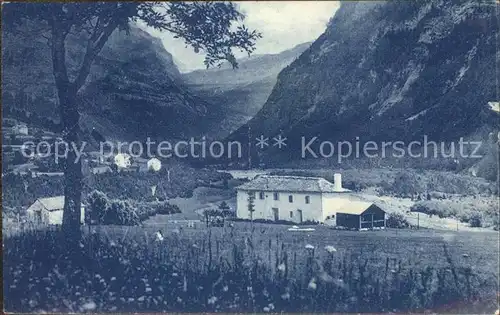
[[283, 24]]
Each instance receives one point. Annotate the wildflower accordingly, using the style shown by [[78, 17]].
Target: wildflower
[[309, 246], [89, 306], [225, 288], [330, 249], [281, 267], [271, 306], [212, 300], [312, 284]]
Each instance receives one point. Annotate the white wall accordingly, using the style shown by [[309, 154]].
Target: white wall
[[264, 207], [56, 217]]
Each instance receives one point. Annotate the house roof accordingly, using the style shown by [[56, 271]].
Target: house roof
[[51, 203], [356, 207], [291, 184]]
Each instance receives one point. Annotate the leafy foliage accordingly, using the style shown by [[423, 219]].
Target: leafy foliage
[[397, 220], [105, 211]]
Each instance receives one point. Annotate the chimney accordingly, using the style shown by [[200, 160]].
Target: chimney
[[337, 181]]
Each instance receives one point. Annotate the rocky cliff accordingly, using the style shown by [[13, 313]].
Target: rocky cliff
[[134, 89], [395, 70]]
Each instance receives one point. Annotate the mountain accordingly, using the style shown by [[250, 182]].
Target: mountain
[[387, 71], [238, 94], [134, 89]]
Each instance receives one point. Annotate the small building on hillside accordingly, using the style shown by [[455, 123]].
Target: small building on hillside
[[299, 199], [20, 129], [101, 169], [49, 211]]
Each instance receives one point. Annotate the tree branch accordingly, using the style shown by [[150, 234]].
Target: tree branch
[[94, 45]]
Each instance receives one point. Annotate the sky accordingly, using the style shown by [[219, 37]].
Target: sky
[[283, 24]]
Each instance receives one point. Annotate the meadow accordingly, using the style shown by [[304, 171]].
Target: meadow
[[251, 267]]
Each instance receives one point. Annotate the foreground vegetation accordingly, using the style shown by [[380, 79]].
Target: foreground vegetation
[[243, 269]]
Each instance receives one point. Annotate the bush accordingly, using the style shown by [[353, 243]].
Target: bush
[[121, 212], [442, 209], [397, 221], [475, 220], [97, 205], [167, 208], [405, 185]]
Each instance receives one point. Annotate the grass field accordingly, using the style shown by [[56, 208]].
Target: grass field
[[268, 270]]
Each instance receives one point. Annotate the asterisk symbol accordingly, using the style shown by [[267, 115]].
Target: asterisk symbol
[[262, 142], [279, 141]]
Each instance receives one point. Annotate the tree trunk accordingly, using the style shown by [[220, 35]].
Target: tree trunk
[[73, 167]]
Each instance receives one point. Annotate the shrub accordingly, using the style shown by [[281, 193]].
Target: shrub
[[121, 212], [475, 220], [442, 209], [397, 220], [167, 208], [405, 185], [97, 205]]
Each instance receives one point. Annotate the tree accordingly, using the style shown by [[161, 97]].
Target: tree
[[405, 184], [98, 204], [206, 26]]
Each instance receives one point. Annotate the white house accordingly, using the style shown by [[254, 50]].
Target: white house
[[299, 199], [49, 211], [20, 129]]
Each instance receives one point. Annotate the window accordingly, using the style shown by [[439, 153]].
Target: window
[[290, 198], [261, 195], [276, 196], [308, 199], [291, 214]]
